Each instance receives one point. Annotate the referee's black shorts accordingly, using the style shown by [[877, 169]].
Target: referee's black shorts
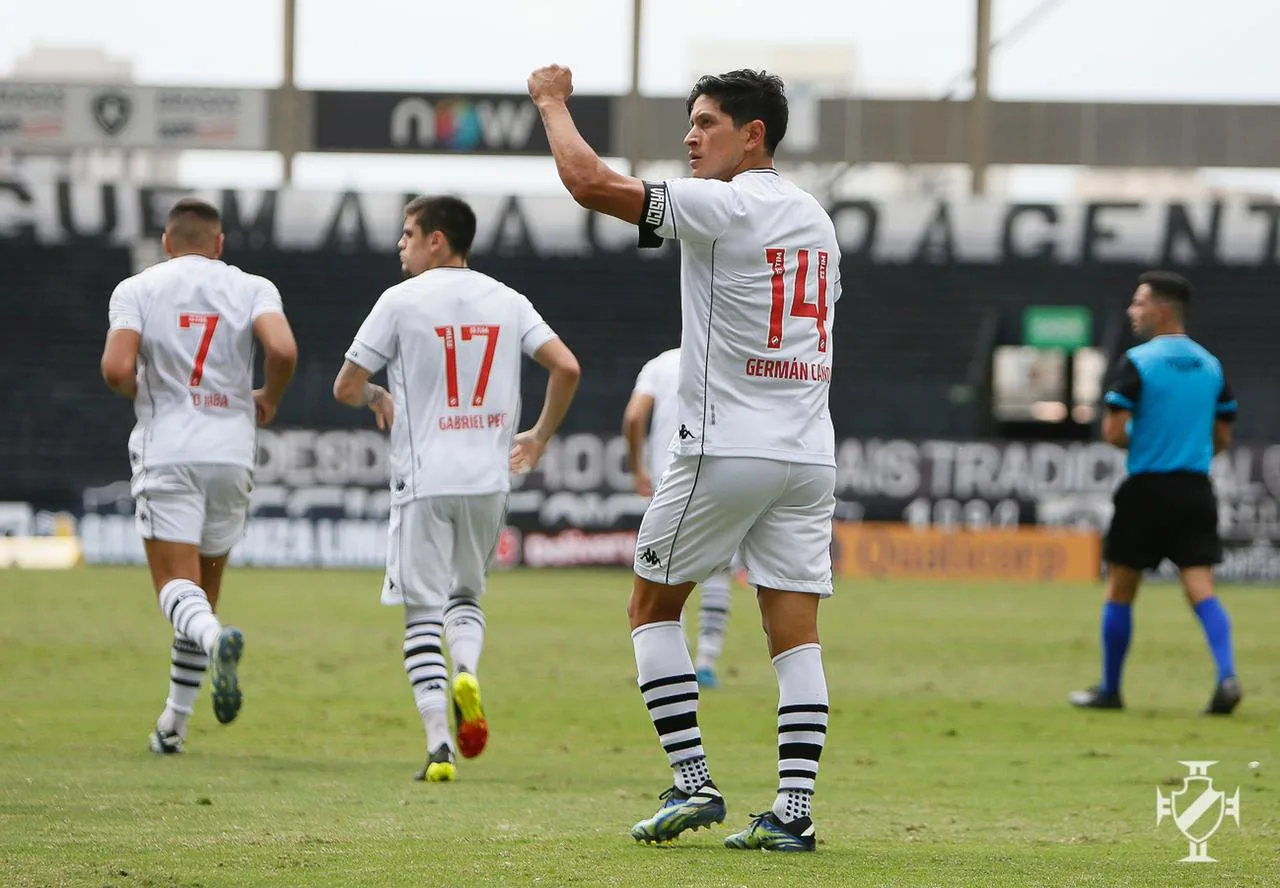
[[1159, 516]]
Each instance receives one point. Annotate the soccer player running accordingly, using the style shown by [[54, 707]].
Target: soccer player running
[[1169, 404], [754, 463], [180, 346], [451, 340], [653, 407]]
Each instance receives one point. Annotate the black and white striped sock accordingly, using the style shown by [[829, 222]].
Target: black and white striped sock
[[802, 727], [187, 608], [187, 666], [424, 664], [713, 617], [670, 691]]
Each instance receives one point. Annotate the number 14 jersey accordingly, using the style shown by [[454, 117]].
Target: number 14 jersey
[[195, 360], [759, 280], [452, 341]]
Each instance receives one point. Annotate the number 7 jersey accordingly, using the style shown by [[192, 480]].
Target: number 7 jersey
[[759, 280], [452, 341], [195, 361]]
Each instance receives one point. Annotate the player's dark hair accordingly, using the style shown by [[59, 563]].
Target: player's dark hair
[[1170, 287], [747, 95], [193, 221], [451, 216]]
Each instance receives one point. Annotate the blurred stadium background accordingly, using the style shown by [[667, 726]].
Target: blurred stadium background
[[977, 323], [991, 241]]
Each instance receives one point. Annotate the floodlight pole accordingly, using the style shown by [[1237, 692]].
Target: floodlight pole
[[633, 105], [978, 104], [289, 92]]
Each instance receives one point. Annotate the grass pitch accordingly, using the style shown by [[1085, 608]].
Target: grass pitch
[[952, 758]]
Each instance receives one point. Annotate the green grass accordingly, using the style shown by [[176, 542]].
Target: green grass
[[952, 760]]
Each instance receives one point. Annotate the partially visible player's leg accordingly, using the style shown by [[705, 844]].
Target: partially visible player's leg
[[714, 602], [692, 527], [1195, 547], [227, 494], [187, 666], [425, 667], [418, 578], [1133, 544], [1116, 631], [1216, 623], [477, 522], [788, 558]]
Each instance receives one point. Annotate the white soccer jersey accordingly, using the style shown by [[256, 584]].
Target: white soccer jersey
[[451, 340], [759, 280], [195, 362], [658, 379]]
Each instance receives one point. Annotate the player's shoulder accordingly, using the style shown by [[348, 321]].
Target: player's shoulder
[[668, 358], [245, 280]]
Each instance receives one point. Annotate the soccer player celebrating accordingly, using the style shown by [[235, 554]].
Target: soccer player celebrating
[[451, 340], [181, 348], [754, 462]]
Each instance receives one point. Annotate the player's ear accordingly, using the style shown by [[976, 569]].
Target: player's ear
[[164, 244], [217, 247], [755, 135]]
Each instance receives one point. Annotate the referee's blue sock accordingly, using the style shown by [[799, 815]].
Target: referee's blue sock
[[1117, 629], [1217, 632]]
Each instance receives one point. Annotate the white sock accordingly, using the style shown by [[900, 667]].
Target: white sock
[[802, 727], [187, 665], [186, 606], [464, 633], [713, 617], [670, 690], [424, 664]]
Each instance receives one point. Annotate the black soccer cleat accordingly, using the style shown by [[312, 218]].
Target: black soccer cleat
[[1226, 697], [1096, 698]]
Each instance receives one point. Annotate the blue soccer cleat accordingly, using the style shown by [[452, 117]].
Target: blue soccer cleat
[[681, 811], [768, 833], [707, 677], [222, 675]]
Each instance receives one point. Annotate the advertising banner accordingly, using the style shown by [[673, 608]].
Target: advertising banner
[[449, 123], [42, 116]]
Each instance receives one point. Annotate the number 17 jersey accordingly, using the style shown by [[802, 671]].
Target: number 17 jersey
[[452, 341], [759, 280]]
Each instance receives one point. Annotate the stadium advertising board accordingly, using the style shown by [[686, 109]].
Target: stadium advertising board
[[448, 123], [1227, 232], [45, 116], [321, 499], [886, 550]]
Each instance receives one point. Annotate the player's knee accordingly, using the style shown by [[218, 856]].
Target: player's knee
[[653, 603]]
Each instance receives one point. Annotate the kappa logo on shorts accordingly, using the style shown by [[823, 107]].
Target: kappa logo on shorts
[[684, 432], [650, 557]]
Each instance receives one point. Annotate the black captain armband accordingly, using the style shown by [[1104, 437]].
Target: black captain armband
[[655, 210]]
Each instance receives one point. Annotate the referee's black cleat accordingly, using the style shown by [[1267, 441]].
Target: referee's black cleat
[[1226, 697], [1096, 698]]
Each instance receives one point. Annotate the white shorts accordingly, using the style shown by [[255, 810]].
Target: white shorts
[[440, 547], [204, 504], [707, 508]]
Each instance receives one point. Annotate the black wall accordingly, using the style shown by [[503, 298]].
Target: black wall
[[905, 337]]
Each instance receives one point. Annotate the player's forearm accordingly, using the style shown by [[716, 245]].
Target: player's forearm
[[125, 386], [278, 369], [561, 387], [580, 168], [365, 395], [635, 445]]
